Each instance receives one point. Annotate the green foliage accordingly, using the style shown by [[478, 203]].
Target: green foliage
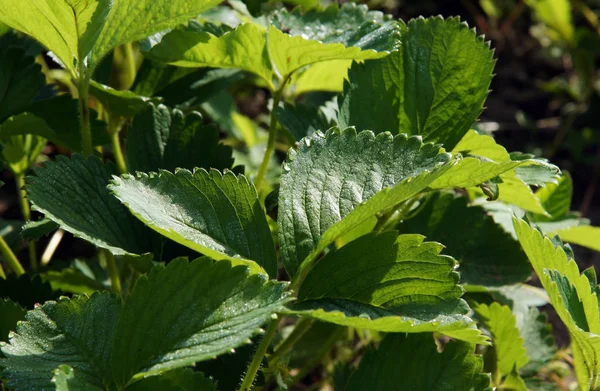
[[378, 225], [112, 344], [439, 101], [456, 368], [213, 213]]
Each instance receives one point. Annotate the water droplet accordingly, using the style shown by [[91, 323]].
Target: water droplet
[[232, 351]]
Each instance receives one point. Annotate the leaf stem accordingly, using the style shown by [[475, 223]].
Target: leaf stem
[[258, 356], [113, 271], [262, 171], [284, 347], [84, 112], [2, 274], [26, 211], [114, 125], [11, 258]]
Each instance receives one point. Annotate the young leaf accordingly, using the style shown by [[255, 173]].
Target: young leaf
[[399, 275], [412, 362], [329, 175], [205, 308], [252, 48], [571, 295], [288, 54], [85, 31], [245, 48], [582, 235], [160, 138], [509, 345], [72, 192], [556, 197], [487, 255], [435, 85], [216, 214], [513, 189]]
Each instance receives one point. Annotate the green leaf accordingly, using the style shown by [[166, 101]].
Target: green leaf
[[252, 48], [329, 175], [118, 103], [424, 369], [160, 138], [20, 80], [131, 21], [514, 381], [176, 380], [351, 25], [65, 380], [538, 340], [288, 53], [301, 119], [582, 235], [33, 230], [11, 314], [216, 214], [72, 192], [51, 23], [100, 25], [435, 84], [556, 198], [571, 296], [513, 189], [245, 48], [79, 278], [487, 255], [509, 345], [20, 152], [398, 274], [77, 332], [205, 308]]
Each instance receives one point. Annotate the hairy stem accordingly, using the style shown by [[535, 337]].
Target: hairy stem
[[26, 212], [10, 258], [51, 247], [258, 356]]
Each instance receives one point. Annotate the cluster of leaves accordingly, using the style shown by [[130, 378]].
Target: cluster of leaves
[[390, 222]]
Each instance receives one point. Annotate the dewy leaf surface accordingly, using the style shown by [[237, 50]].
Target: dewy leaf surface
[[351, 25], [328, 176], [216, 214], [509, 345], [73, 193], [436, 83], [77, 332], [399, 276], [571, 295], [487, 255], [205, 309], [412, 362], [161, 138]]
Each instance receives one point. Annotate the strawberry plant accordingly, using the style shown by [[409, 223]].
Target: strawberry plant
[[354, 232]]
